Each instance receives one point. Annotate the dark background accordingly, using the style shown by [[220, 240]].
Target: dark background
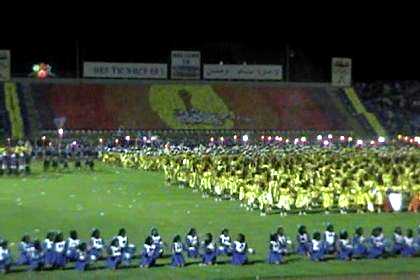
[[382, 41]]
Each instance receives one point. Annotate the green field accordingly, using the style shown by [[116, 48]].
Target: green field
[[139, 201]]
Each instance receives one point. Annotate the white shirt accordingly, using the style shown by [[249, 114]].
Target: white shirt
[[225, 240], [239, 247], [96, 243], [48, 244], [59, 246], [4, 253], [275, 246], [156, 239], [193, 240], [346, 243], [150, 249], [409, 241], [303, 238], [398, 238], [115, 251], [72, 243], [82, 255], [330, 237], [316, 245], [178, 247], [122, 241]]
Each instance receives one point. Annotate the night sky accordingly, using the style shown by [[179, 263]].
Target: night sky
[[382, 46]]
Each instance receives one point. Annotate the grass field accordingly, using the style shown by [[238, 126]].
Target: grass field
[[139, 201]]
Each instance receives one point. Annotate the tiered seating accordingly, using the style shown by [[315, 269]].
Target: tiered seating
[[189, 106]]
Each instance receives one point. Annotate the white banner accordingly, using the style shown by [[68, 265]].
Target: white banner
[[341, 72], [125, 70], [242, 72], [185, 65], [4, 65]]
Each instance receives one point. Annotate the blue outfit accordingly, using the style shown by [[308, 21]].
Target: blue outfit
[[71, 249], [304, 246], [377, 248], [210, 254], [177, 257], [82, 262], [127, 250], [317, 250], [224, 245], [275, 255], [37, 259], [149, 255], [239, 253], [24, 249], [96, 248], [192, 246], [329, 238], [59, 254], [398, 244], [115, 257], [282, 240], [345, 249], [5, 259], [409, 249], [359, 247], [48, 252]]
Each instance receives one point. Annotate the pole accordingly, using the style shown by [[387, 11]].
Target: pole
[[77, 60]]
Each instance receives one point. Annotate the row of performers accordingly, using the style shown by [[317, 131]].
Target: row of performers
[[15, 163], [56, 252]]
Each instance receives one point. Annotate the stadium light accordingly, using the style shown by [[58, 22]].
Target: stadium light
[[245, 138], [319, 137]]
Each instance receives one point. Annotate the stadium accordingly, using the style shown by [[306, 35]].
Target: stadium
[[200, 165]]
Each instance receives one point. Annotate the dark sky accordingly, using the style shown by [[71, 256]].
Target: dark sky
[[383, 45]]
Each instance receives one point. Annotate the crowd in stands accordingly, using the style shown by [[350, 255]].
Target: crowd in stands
[[396, 104]]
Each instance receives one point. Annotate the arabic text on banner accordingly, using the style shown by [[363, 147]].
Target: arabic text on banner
[[125, 70], [243, 72]]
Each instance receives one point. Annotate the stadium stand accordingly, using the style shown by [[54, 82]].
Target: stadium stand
[[104, 105], [396, 104]]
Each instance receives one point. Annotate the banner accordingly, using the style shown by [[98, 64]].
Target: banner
[[4, 65], [125, 70], [243, 72], [185, 65], [341, 72]]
